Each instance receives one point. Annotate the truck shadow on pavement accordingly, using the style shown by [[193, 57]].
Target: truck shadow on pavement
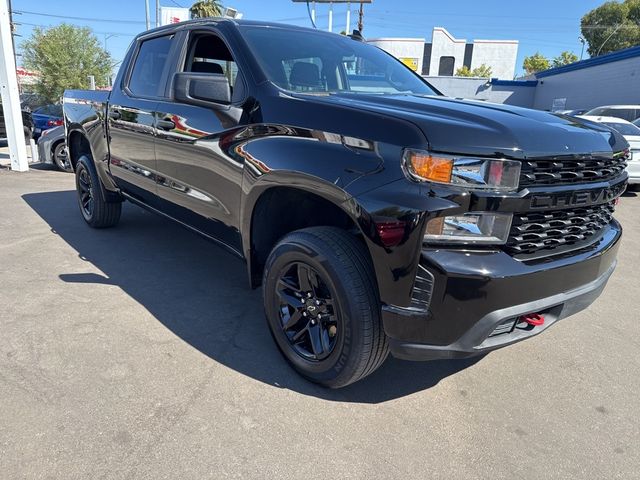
[[201, 294]]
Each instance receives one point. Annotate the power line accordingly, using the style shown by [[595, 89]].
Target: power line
[[94, 31], [85, 19]]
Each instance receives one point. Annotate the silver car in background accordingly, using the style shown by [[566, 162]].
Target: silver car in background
[[52, 149], [631, 133]]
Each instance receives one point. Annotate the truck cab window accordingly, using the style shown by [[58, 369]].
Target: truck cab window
[[147, 73], [209, 54]]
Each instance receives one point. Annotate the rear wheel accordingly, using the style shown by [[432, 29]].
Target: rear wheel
[[60, 157], [322, 306], [95, 210]]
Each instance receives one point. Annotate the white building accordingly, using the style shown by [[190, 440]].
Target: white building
[[445, 54]]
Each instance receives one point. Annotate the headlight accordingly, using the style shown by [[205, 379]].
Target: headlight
[[470, 228], [473, 173]]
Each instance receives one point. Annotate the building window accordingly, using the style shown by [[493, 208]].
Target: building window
[[446, 66]]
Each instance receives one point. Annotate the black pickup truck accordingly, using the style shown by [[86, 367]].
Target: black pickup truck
[[378, 215]]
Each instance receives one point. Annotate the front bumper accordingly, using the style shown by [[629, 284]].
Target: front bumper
[[476, 292]]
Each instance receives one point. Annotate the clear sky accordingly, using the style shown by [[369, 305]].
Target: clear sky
[[548, 26]]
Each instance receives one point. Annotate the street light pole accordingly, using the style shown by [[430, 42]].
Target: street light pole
[[607, 39], [157, 13], [107, 37]]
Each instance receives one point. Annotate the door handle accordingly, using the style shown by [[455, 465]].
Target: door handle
[[115, 114], [165, 124]]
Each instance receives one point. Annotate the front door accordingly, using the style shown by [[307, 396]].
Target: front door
[[198, 183]]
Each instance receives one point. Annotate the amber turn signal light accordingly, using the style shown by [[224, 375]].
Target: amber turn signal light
[[429, 167]]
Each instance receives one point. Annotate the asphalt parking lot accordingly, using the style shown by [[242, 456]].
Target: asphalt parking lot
[[140, 352]]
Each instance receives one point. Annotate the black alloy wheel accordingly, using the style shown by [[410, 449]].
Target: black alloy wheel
[[96, 211], [322, 306], [85, 192], [307, 312]]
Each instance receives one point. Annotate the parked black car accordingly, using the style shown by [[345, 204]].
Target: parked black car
[[376, 214], [27, 125]]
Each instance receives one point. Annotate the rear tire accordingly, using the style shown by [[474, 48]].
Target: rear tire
[[322, 306], [60, 157], [95, 211]]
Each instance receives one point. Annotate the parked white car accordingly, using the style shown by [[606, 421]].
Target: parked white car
[[625, 112], [631, 133]]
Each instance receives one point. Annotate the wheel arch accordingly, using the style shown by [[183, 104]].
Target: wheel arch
[[78, 145], [308, 203]]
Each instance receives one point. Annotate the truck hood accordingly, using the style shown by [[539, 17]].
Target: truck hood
[[478, 128]]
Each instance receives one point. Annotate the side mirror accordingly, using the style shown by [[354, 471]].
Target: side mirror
[[206, 89]]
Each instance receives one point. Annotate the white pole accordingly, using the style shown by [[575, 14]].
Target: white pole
[[313, 12], [157, 13], [11, 95], [331, 16], [348, 30], [146, 11]]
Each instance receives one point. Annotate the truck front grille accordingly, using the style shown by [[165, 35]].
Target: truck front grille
[[570, 171], [543, 232]]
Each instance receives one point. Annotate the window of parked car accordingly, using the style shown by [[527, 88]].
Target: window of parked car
[[624, 128], [628, 114], [147, 72], [52, 110]]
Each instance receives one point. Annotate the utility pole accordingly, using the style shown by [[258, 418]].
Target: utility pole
[[348, 29], [13, 28], [10, 95], [157, 13], [146, 11], [361, 18]]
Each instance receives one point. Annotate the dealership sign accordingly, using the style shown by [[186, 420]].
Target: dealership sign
[[170, 15]]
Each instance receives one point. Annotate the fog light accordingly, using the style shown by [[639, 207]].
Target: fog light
[[481, 228]]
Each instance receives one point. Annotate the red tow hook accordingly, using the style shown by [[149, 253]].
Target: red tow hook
[[534, 319]]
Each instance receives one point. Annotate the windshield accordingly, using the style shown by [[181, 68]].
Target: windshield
[[303, 61], [624, 128]]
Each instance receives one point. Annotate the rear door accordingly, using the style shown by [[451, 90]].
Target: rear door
[[131, 117]]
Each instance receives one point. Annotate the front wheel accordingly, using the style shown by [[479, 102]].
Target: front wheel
[[322, 306], [95, 210]]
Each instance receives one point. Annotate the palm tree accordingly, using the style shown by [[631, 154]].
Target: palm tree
[[206, 8]]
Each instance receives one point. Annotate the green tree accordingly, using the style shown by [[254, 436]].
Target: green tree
[[65, 56], [535, 63], [565, 58], [206, 8], [483, 71], [612, 26]]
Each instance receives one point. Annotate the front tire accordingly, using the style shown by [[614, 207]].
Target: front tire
[[322, 306], [95, 210]]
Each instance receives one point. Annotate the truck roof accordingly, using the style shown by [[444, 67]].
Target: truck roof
[[219, 20]]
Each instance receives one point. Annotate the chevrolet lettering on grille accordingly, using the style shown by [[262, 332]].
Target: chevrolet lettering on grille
[[577, 199]]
